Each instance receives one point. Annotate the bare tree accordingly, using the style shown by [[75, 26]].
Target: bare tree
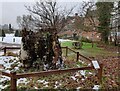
[[25, 21], [47, 14], [88, 11]]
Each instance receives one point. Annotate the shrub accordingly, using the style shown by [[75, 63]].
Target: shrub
[[77, 45]]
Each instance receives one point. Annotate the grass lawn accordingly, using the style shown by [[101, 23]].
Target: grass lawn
[[88, 51]]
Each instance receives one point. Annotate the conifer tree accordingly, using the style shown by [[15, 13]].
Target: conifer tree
[[104, 14]]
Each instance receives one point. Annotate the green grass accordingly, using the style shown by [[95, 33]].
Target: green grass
[[87, 50], [67, 43]]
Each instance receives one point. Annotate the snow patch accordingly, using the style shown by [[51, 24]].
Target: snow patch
[[41, 81], [22, 80], [82, 72], [7, 61], [78, 88], [3, 87], [35, 87], [96, 87], [63, 40], [73, 78], [45, 83], [4, 79]]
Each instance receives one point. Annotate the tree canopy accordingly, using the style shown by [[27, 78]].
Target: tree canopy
[[47, 14], [104, 14]]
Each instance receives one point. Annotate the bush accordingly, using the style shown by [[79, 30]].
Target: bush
[[77, 45], [83, 39]]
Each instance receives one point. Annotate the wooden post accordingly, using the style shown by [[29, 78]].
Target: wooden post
[[66, 51], [77, 56], [100, 73], [4, 50], [13, 81]]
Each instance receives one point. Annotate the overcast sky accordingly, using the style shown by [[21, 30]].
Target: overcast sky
[[10, 9]]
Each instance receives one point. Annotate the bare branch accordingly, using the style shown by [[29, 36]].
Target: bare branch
[[49, 15]]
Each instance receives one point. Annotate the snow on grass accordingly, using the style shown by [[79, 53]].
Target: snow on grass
[[96, 87], [3, 78], [41, 81], [7, 61], [36, 87], [22, 80], [78, 88], [81, 61], [57, 85], [3, 81], [9, 64], [46, 86], [82, 72], [3, 87], [73, 78], [45, 83]]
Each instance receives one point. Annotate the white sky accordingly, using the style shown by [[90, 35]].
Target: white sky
[[10, 9], [43, 0]]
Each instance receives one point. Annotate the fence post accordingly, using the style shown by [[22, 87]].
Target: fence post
[[66, 51], [100, 73], [77, 56], [13, 81], [4, 50]]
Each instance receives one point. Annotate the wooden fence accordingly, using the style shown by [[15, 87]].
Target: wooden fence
[[78, 55], [5, 49], [15, 76]]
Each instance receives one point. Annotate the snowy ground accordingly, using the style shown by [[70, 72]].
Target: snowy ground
[[10, 63]]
